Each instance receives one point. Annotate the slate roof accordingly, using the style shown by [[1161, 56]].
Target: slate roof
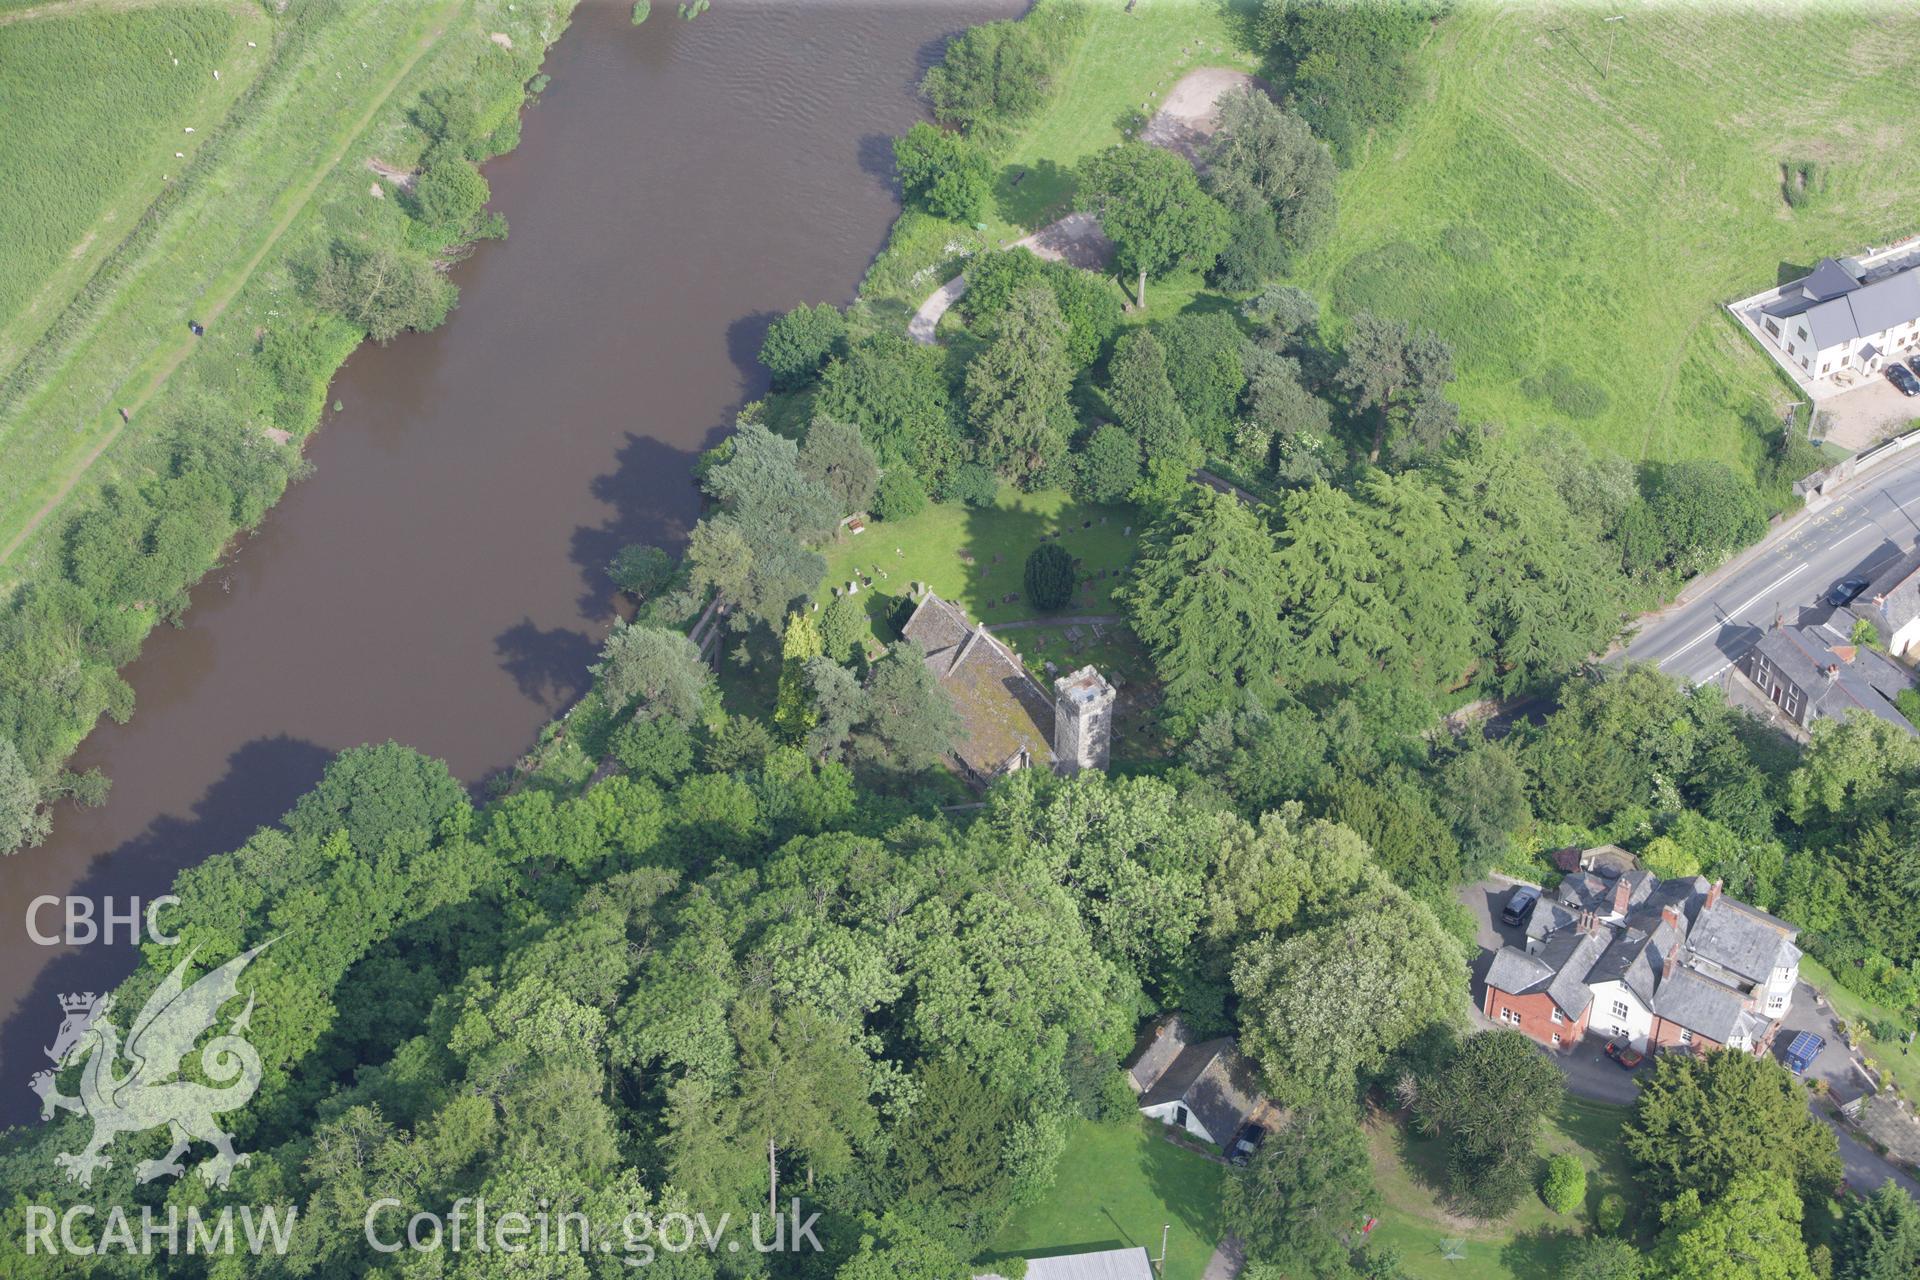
[[1107, 1264], [1893, 598], [1003, 711], [1700, 1004], [1696, 963], [1210, 1078], [1839, 307], [1743, 939], [1860, 679]]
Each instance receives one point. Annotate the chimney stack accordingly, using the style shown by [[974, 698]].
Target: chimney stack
[[1671, 963], [1713, 895], [1622, 895], [1672, 917]]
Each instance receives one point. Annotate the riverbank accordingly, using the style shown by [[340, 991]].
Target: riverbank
[[162, 409]]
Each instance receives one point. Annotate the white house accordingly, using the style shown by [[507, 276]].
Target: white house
[[1204, 1087], [1845, 318]]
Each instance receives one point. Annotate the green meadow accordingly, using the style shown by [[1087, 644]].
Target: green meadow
[[1574, 200]]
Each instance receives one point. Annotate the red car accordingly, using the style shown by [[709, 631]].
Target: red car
[[1626, 1055]]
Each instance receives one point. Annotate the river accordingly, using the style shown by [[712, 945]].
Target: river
[[439, 580]]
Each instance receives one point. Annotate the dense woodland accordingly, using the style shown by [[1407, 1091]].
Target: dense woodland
[[694, 953]]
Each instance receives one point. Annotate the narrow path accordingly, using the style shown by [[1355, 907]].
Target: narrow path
[[220, 303], [1226, 1261], [1075, 240]]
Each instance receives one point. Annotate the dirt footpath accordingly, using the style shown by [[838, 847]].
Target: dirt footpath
[[1191, 112]]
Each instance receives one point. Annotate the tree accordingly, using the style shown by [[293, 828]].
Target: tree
[[763, 579], [641, 570], [1265, 159], [22, 821], [1486, 1101], [1881, 1237], [843, 625], [1595, 1257], [799, 342], [1297, 1203], [1699, 1123], [1204, 599], [1401, 375], [838, 704], [761, 485], [1282, 312], [996, 73], [1142, 398], [380, 290], [950, 1154], [1564, 1189], [1387, 955], [1204, 355], [661, 670], [1049, 576], [943, 171], [1089, 303], [1865, 634], [1348, 64], [898, 496], [1151, 206], [895, 391], [835, 457], [1482, 792], [1017, 389], [910, 721], [800, 643], [1854, 772], [1751, 1231], [1109, 465], [1288, 414], [449, 194], [1703, 511]]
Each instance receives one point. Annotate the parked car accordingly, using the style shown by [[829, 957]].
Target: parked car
[[1913, 363], [1625, 1056], [1520, 904], [1247, 1143], [1902, 377], [1845, 591]]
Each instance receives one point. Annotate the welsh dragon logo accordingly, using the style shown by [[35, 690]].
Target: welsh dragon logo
[[148, 1094]]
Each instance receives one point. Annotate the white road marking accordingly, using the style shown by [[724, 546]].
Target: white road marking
[[1738, 609]]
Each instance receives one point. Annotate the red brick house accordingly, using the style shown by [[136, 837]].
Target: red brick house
[[1656, 964]]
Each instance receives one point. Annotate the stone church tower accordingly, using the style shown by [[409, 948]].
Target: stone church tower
[[1082, 722]]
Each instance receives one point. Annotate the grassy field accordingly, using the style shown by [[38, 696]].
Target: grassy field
[[81, 166], [1572, 227], [1531, 1242], [1116, 1186], [977, 558], [273, 182]]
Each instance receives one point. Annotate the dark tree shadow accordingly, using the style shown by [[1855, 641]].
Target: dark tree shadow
[[745, 337], [263, 779], [875, 151], [651, 492], [1032, 194], [549, 667]]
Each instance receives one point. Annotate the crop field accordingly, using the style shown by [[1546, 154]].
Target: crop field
[[1575, 198], [96, 106]]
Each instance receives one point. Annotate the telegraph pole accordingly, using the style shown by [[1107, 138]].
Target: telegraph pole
[[1607, 72], [1160, 1267]]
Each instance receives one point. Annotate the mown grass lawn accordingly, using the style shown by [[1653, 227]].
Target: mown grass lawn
[[1117, 1185], [977, 557], [96, 105], [1529, 1243], [1573, 229]]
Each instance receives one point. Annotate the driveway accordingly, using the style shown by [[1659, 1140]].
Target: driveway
[[1591, 1074]]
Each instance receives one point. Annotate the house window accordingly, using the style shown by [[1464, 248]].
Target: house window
[[1686, 1036], [1509, 1016], [1558, 1018], [1802, 331], [1556, 1039], [1773, 327], [1180, 1116], [1827, 367], [1619, 1008]]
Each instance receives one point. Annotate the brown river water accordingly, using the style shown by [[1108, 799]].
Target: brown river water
[[439, 579]]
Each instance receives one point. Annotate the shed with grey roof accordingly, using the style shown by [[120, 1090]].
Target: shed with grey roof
[[1106, 1264]]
